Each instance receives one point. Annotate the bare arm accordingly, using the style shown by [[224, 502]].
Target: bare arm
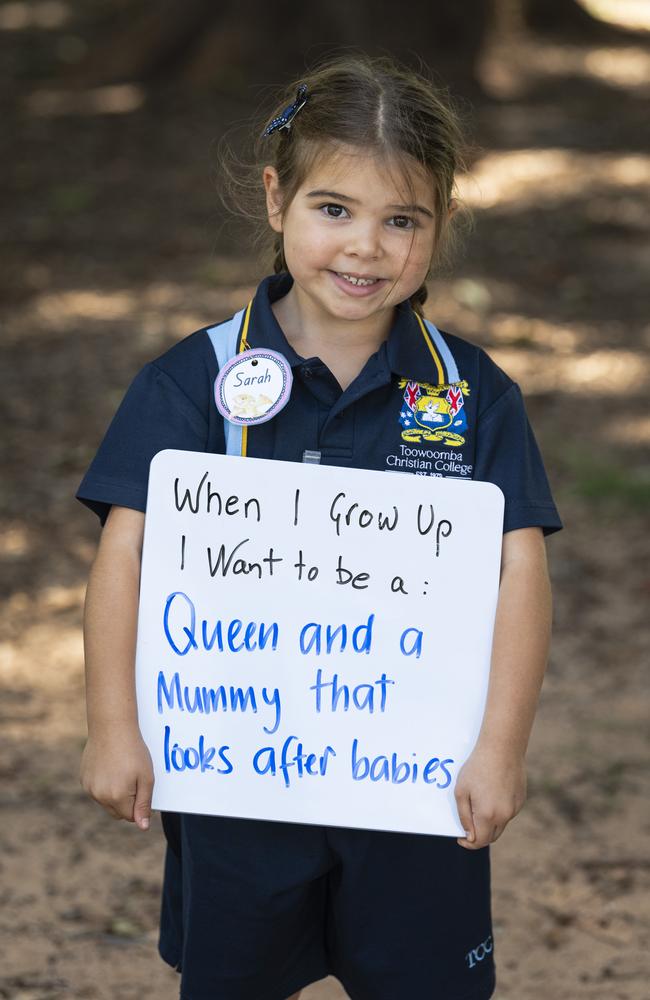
[[116, 768], [491, 786]]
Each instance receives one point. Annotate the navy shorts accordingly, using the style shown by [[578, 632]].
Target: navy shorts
[[255, 910]]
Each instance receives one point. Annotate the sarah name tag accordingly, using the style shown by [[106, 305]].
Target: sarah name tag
[[253, 386]]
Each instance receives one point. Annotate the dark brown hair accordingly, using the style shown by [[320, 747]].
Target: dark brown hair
[[374, 104]]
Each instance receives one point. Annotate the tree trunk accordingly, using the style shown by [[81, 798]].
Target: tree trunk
[[240, 45]]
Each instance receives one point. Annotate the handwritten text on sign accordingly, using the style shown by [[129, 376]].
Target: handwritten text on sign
[[314, 642]]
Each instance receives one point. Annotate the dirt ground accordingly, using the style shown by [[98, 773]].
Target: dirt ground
[[113, 254]]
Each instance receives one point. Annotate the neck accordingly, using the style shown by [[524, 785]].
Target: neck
[[310, 333]]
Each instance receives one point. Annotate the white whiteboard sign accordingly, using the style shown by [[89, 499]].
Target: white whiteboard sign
[[313, 641]]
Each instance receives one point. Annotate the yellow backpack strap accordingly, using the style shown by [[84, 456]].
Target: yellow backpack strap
[[224, 338], [440, 351]]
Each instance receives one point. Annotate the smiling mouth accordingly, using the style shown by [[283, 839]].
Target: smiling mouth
[[357, 279]]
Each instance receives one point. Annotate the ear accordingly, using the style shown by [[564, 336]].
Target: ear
[[452, 207], [273, 198]]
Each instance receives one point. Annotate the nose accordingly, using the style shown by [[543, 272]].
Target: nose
[[364, 241]]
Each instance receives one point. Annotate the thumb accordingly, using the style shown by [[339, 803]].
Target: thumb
[[464, 805], [142, 804]]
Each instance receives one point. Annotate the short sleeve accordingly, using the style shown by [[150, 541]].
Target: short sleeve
[[155, 414], [507, 454]]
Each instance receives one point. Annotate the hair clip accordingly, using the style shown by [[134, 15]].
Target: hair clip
[[286, 117]]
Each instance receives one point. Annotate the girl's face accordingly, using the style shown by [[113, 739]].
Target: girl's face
[[355, 242]]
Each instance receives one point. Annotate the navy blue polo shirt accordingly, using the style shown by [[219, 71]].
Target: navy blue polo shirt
[[408, 410]]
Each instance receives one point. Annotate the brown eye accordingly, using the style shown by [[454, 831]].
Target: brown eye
[[403, 222], [333, 211]]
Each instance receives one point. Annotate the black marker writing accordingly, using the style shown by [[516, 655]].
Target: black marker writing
[[228, 563], [231, 505]]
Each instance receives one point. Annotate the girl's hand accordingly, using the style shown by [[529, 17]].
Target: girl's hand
[[490, 791], [117, 772]]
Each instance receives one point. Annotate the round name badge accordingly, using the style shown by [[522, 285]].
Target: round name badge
[[253, 386]]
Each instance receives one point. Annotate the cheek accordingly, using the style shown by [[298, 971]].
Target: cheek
[[423, 250], [416, 262], [415, 245], [303, 246]]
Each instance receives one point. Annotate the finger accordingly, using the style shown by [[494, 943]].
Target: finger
[[497, 830], [464, 806], [469, 845], [119, 807], [124, 808], [142, 804], [478, 832], [109, 804], [486, 828]]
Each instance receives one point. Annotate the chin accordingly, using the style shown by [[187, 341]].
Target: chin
[[353, 310]]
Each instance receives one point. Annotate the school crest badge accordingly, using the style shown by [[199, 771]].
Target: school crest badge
[[434, 412]]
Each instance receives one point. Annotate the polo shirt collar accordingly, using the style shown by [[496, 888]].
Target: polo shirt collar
[[405, 352], [263, 328]]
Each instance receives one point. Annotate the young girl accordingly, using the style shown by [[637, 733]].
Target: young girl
[[358, 180]]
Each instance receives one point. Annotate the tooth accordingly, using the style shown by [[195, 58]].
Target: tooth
[[359, 281]]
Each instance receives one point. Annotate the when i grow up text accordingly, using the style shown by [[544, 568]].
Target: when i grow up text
[[344, 515]]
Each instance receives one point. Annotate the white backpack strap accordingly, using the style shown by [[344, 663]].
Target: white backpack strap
[[444, 351], [224, 341]]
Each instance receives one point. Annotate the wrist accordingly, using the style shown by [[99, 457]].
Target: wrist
[[500, 747], [105, 727]]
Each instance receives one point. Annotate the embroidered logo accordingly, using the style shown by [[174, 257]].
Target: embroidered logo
[[434, 412], [480, 952]]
